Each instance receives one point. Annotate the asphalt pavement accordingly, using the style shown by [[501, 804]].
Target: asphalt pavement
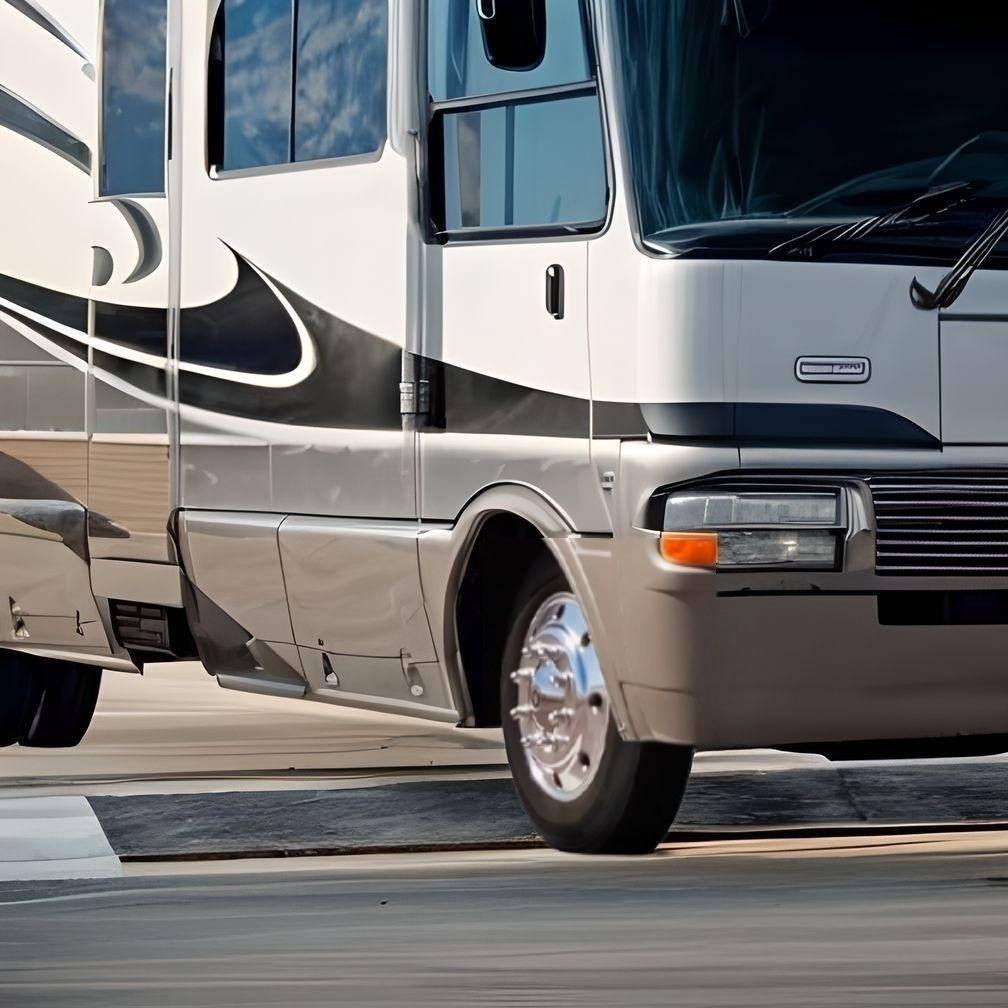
[[787, 881], [912, 921]]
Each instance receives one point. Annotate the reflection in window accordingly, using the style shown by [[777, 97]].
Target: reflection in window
[[457, 61], [525, 165], [134, 57], [339, 107], [257, 82]]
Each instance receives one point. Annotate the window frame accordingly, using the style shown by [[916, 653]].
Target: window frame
[[432, 168], [218, 174], [98, 170]]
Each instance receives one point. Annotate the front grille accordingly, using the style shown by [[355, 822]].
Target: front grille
[[941, 524]]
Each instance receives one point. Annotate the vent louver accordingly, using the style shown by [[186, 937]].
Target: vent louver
[[934, 525]]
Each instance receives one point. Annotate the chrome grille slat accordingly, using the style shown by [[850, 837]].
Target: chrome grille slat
[[948, 542], [879, 518], [941, 525], [945, 503]]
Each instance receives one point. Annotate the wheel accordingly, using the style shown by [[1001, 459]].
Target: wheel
[[69, 693], [586, 789], [20, 692]]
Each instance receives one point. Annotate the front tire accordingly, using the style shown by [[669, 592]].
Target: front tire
[[69, 693], [585, 788]]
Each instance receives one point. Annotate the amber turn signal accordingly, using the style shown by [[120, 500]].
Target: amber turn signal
[[691, 549]]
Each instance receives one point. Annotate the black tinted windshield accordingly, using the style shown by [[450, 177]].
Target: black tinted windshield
[[747, 118]]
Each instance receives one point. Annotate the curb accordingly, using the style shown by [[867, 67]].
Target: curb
[[486, 814]]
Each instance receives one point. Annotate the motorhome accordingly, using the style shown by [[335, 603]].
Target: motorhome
[[628, 374]]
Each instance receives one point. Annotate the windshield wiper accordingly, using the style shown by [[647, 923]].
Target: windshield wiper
[[954, 282], [924, 207]]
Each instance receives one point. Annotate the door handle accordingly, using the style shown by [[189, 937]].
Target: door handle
[[555, 291]]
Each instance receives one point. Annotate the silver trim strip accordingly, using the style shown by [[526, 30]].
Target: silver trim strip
[[79, 657]]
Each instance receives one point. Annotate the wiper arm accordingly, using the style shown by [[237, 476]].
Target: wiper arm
[[924, 207], [954, 282]]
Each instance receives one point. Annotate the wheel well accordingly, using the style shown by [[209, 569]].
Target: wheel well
[[505, 549]]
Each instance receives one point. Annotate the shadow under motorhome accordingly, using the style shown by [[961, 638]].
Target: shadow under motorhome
[[626, 374]]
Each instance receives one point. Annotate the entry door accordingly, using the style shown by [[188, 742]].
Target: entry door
[[129, 472], [517, 184], [293, 259]]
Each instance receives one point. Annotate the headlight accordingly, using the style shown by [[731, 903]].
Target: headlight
[[740, 529]]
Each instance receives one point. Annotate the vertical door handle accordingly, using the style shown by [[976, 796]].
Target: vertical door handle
[[555, 291]]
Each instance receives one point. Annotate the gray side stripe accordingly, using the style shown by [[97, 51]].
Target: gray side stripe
[[148, 239], [33, 12], [19, 116]]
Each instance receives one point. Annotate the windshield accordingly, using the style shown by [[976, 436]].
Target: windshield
[[749, 121]]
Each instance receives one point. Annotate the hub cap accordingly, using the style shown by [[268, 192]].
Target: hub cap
[[563, 708]]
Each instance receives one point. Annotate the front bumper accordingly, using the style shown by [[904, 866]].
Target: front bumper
[[719, 660]]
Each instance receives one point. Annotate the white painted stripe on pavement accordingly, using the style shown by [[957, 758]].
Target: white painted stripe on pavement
[[56, 837]]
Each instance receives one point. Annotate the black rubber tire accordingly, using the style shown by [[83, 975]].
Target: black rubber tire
[[638, 788], [20, 693], [68, 697]]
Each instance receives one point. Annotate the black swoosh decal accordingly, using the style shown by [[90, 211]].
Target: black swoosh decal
[[355, 384], [72, 346], [468, 402], [144, 329], [769, 424], [64, 309], [248, 330], [17, 115]]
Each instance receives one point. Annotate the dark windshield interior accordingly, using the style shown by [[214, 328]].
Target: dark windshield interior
[[749, 117]]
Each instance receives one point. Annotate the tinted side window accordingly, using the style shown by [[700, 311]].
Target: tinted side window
[[457, 59], [134, 58], [525, 165], [340, 100], [258, 77]]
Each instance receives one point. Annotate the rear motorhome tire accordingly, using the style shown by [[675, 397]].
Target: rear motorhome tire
[[586, 789], [69, 693], [20, 692]]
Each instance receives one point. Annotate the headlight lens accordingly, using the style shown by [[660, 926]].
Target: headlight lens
[[728, 529], [693, 511]]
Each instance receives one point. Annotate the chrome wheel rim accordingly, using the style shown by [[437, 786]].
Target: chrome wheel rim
[[562, 709]]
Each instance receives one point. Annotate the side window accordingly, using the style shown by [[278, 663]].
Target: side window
[[524, 165], [341, 97], [297, 80], [257, 82], [519, 150], [133, 72]]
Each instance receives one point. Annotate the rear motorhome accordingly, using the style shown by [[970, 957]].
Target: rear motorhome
[[626, 373]]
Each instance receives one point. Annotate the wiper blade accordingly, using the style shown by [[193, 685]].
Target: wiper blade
[[924, 207], [954, 282]]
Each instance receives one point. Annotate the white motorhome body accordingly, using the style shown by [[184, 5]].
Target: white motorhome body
[[381, 351]]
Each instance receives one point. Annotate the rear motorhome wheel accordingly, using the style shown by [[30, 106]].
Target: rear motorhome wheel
[[585, 788], [20, 693], [68, 693]]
